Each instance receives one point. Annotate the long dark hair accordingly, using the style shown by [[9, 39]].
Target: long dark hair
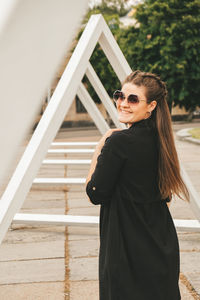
[[169, 177]]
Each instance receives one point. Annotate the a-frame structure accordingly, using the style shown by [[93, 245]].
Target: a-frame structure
[[69, 85]]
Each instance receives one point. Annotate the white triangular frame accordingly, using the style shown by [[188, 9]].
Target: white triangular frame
[[69, 85]]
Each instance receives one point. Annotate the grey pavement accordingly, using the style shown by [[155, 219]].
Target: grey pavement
[[57, 262]]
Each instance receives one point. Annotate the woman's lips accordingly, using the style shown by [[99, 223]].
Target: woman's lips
[[124, 111]]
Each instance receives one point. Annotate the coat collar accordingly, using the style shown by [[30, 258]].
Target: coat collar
[[141, 123]]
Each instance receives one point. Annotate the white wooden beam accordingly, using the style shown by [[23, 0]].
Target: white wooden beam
[[45, 132], [57, 151], [89, 221], [74, 144], [103, 95], [67, 161], [114, 53], [57, 181], [92, 109], [63, 220], [187, 225]]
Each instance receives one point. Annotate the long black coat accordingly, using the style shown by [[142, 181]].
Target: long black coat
[[139, 251]]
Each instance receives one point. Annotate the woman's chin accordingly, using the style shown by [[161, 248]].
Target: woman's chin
[[124, 120]]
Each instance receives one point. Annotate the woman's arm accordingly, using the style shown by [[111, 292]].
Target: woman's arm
[[106, 166], [97, 152]]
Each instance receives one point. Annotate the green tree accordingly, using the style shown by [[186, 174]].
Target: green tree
[[110, 7], [167, 42]]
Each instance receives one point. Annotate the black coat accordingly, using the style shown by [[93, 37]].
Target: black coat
[[139, 251]]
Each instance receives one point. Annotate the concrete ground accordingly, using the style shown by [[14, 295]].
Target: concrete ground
[[57, 262]]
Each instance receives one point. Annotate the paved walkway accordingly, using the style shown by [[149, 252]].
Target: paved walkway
[[40, 262]]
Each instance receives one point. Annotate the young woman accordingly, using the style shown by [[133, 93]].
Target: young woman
[[133, 175]]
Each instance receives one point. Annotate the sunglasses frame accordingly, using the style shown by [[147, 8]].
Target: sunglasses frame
[[128, 98]]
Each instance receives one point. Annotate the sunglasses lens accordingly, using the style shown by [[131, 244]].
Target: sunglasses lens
[[117, 95], [133, 99]]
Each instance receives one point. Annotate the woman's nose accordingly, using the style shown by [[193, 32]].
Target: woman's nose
[[125, 102]]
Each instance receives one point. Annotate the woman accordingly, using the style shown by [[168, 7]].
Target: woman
[[134, 172]]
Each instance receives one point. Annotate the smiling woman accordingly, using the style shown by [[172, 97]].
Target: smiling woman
[[133, 174], [132, 104]]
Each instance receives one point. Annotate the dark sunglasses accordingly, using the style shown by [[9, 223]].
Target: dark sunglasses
[[131, 99]]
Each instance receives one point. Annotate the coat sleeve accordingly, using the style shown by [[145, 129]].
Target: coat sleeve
[[108, 169]]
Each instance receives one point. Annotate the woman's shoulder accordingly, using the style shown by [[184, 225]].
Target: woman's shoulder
[[117, 142], [119, 136]]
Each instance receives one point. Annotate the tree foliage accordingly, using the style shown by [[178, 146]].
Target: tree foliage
[[110, 7], [166, 41]]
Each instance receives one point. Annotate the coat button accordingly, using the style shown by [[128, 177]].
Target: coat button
[[94, 188]]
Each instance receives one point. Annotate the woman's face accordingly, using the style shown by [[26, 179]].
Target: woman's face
[[130, 113]]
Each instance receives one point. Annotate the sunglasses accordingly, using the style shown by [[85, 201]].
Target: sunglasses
[[131, 99]]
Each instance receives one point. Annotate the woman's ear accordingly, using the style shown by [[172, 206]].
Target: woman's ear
[[152, 105]]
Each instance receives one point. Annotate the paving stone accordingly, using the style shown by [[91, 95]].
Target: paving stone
[[76, 195], [75, 173], [48, 211], [44, 195], [181, 210], [190, 262], [79, 203], [84, 290], [185, 293], [29, 234], [33, 291], [81, 233], [52, 171], [194, 175], [192, 165], [68, 156], [32, 271], [78, 167], [55, 156], [197, 188], [82, 134], [194, 279], [47, 204], [85, 211], [80, 188], [83, 248], [83, 268], [189, 241], [44, 250], [39, 199]]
